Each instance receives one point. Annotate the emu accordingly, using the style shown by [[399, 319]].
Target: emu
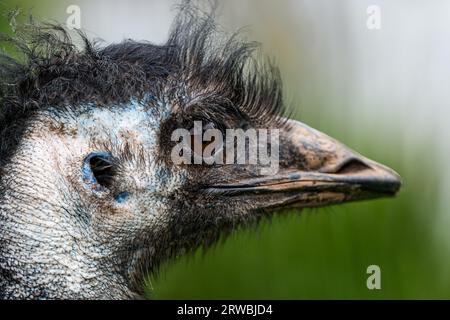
[[90, 201]]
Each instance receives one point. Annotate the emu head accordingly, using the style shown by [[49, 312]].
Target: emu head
[[90, 198]]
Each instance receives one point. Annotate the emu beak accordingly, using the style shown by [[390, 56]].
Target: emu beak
[[315, 170]]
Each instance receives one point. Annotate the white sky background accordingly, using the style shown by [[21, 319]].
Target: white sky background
[[392, 82]]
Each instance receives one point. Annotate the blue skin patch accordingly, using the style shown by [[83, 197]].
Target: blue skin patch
[[122, 197]]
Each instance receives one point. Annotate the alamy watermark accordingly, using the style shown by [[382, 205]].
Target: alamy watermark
[[373, 17], [374, 280], [207, 145], [73, 21]]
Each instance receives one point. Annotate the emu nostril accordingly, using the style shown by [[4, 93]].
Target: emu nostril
[[352, 165]]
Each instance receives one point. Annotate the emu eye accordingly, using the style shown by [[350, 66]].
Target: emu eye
[[99, 170]]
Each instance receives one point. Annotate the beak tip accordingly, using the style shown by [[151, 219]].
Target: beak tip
[[396, 182], [388, 181]]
